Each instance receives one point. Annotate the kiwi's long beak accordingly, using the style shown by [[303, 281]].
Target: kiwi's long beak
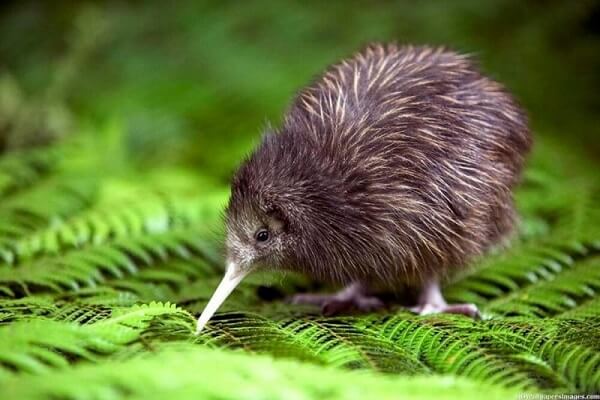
[[233, 276]]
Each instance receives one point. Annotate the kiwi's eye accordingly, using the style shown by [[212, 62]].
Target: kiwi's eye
[[262, 235]]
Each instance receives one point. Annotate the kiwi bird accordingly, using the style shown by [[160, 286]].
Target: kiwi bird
[[395, 168]]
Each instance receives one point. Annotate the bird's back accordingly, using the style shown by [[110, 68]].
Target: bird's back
[[430, 147]]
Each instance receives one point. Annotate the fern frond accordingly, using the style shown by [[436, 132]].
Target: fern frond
[[155, 213], [12, 310], [557, 294], [519, 267], [574, 362], [91, 266], [325, 341], [24, 168], [46, 204], [175, 373], [448, 345], [40, 345]]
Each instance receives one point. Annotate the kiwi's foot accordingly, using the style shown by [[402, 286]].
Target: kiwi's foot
[[352, 298], [431, 301], [468, 309]]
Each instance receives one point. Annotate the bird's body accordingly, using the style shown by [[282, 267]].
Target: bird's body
[[395, 167]]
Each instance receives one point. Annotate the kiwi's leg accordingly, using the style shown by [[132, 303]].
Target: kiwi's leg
[[352, 298], [431, 301]]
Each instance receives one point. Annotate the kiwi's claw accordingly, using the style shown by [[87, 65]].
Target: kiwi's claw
[[351, 299], [468, 309]]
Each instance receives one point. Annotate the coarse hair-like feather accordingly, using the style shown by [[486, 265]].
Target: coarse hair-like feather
[[396, 164]]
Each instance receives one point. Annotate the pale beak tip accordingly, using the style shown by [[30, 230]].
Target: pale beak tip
[[231, 279], [199, 328]]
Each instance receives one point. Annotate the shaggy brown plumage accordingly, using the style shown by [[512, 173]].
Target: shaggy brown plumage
[[394, 167]]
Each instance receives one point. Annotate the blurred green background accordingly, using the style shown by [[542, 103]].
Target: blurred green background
[[194, 82]]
